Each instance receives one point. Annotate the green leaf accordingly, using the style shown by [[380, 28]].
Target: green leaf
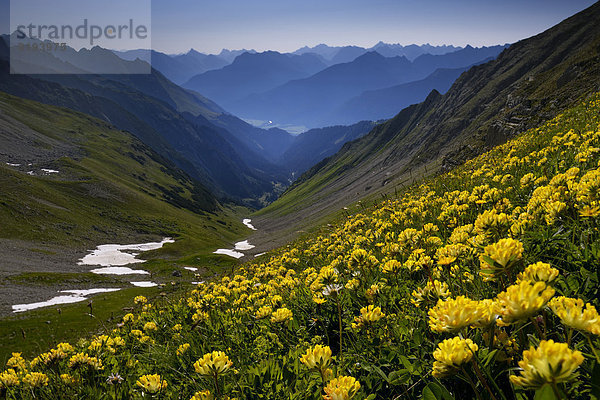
[[400, 377], [545, 393], [429, 393], [406, 363], [435, 391]]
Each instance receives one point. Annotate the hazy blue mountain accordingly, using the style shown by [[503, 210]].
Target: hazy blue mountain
[[338, 54], [385, 103], [310, 101], [412, 51], [347, 54], [311, 147], [230, 55], [177, 68], [252, 73]]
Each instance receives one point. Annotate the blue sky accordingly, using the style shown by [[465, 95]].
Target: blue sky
[[285, 25]]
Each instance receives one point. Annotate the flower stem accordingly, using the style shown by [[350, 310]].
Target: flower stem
[[556, 391], [593, 348], [482, 379], [471, 383], [339, 322]]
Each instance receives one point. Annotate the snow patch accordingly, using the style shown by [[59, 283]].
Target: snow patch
[[13, 165], [191, 268], [230, 253], [243, 246], [108, 255], [119, 271], [144, 284], [248, 223], [49, 171], [75, 297]]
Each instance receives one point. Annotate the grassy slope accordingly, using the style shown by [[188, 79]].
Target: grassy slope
[[111, 188]]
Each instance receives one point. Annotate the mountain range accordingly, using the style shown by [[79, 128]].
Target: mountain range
[[313, 101]]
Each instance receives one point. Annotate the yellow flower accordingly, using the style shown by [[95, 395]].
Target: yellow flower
[[213, 363], [68, 379], [371, 314], [452, 315], [391, 267], [523, 300], [150, 326], [572, 313], [17, 362], [183, 348], [550, 363], [499, 257], [488, 313], [263, 312], [9, 378], [140, 300], [432, 291], [281, 315], [203, 395], [353, 284], [35, 379], [589, 211], [151, 383], [128, 318], [451, 354], [317, 357], [82, 360], [538, 272], [342, 388]]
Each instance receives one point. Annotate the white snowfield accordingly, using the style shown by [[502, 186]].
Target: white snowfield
[[75, 296], [110, 255], [244, 246], [49, 171], [119, 271], [230, 253], [248, 223], [236, 252], [144, 284]]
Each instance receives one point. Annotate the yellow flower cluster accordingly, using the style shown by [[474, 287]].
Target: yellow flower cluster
[[341, 388], [82, 360], [281, 315], [151, 383], [451, 315], [538, 272], [575, 314], [451, 354], [368, 315], [499, 257], [213, 364], [523, 300], [550, 363], [317, 357]]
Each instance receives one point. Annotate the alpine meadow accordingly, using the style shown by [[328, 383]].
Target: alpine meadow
[[337, 222]]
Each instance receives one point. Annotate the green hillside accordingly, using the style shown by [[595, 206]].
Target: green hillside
[[108, 188]]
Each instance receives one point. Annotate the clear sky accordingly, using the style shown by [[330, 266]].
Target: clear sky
[[285, 25]]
